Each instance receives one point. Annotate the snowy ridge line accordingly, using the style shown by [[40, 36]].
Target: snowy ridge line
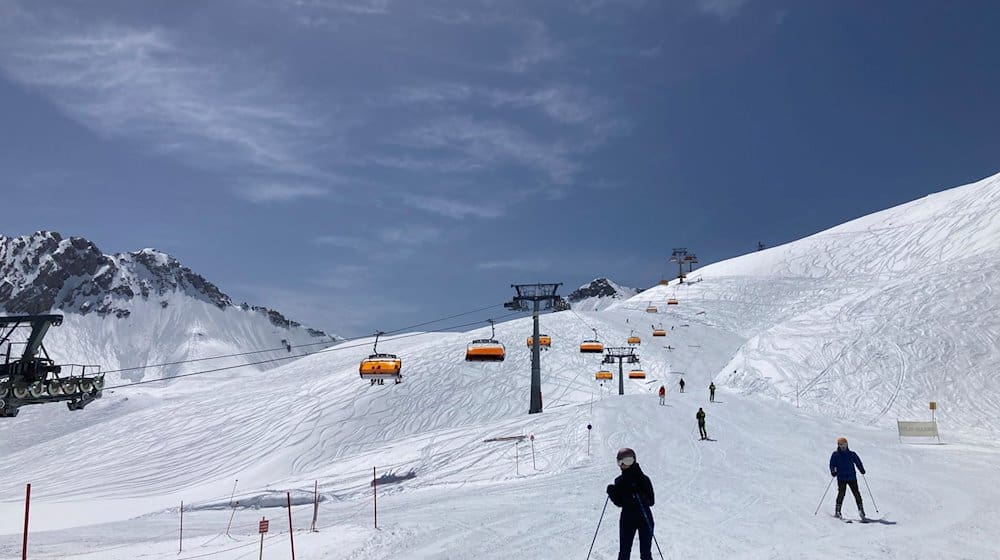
[[282, 358]]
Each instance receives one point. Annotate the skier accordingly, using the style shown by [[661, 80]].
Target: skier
[[701, 423], [663, 394], [711, 392], [682, 384], [842, 463], [633, 492]]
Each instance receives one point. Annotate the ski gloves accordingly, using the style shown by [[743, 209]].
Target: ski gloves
[[834, 471]]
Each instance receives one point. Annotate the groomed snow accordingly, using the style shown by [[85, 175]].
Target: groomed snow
[[106, 481]]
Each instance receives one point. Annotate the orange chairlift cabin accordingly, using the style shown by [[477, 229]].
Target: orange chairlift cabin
[[592, 346], [379, 367], [650, 308], [486, 349], [603, 375], [544, 340], [659, 330], [637, 374], [633, 340]]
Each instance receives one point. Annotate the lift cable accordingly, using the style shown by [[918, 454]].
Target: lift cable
[[206, 358], [272, 360]]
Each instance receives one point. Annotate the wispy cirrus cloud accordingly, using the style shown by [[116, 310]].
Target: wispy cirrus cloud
[[525, 265], [452, 208], [562, 103], [490, 143], [725, 10], [274, 192], [147, 85], [388, 243]]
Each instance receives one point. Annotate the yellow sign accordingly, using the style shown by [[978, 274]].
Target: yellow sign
[[933, 405]]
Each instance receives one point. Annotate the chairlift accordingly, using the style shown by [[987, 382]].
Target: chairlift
[[379, 367], [672, 301], [651, 309], [486, 349], [544, 341], [637, 374], [603, 375], [592, 346], [633, 340], [659, 331]]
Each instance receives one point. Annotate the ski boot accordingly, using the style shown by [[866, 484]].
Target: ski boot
[[837, 513], [861, 513]]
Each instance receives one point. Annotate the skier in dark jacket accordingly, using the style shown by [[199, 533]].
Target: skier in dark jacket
[[633, 492], [701, 423], [842, 463], [682, 384], [711, 392]]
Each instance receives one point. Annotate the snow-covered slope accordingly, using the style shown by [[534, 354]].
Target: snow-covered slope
[[871, 319], [598, 294], [134, 308], [106, 483]]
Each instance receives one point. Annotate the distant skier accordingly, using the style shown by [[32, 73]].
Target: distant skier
[[701, 423], [711, 392], [842, 463], [633, 492], [663, 395], [682, 384]]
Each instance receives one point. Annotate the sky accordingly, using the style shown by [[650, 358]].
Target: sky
[[369, 164]]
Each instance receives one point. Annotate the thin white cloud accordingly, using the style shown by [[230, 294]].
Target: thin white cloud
[[562, 103], [145, 84], [343, 241], [453, 208], [526, 265], [491, 143], [410, 235], [537, 48], [722, 9], [279, 192]]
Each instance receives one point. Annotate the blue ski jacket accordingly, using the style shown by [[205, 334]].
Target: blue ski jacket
[[842, 465]]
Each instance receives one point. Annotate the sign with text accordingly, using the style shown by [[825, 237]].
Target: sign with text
[[263, 526], [918, 429]]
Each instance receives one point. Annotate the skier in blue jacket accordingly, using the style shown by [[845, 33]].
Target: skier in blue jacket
[[842, 463], [633, 492]]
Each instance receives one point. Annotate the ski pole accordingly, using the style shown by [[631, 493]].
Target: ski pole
[[824, 496], [870, 492], [598, 527], [642, 508]]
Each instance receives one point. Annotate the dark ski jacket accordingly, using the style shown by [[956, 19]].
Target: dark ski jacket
[[623, 492], [842, 465], [700, 416]]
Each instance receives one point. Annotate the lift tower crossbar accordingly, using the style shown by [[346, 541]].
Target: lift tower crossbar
[[621, 354], [542, 296]]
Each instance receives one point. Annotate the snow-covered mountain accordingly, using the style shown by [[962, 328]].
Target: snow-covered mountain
[[132, 308], [871, 319], [599, 294]]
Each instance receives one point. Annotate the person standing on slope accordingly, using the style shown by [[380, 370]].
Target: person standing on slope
[[842, 463], [663, 394], [633, 492], [711, 392], [682, 384], [701, 423]]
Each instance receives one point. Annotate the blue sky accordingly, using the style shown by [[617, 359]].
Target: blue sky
[[364, 164]]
